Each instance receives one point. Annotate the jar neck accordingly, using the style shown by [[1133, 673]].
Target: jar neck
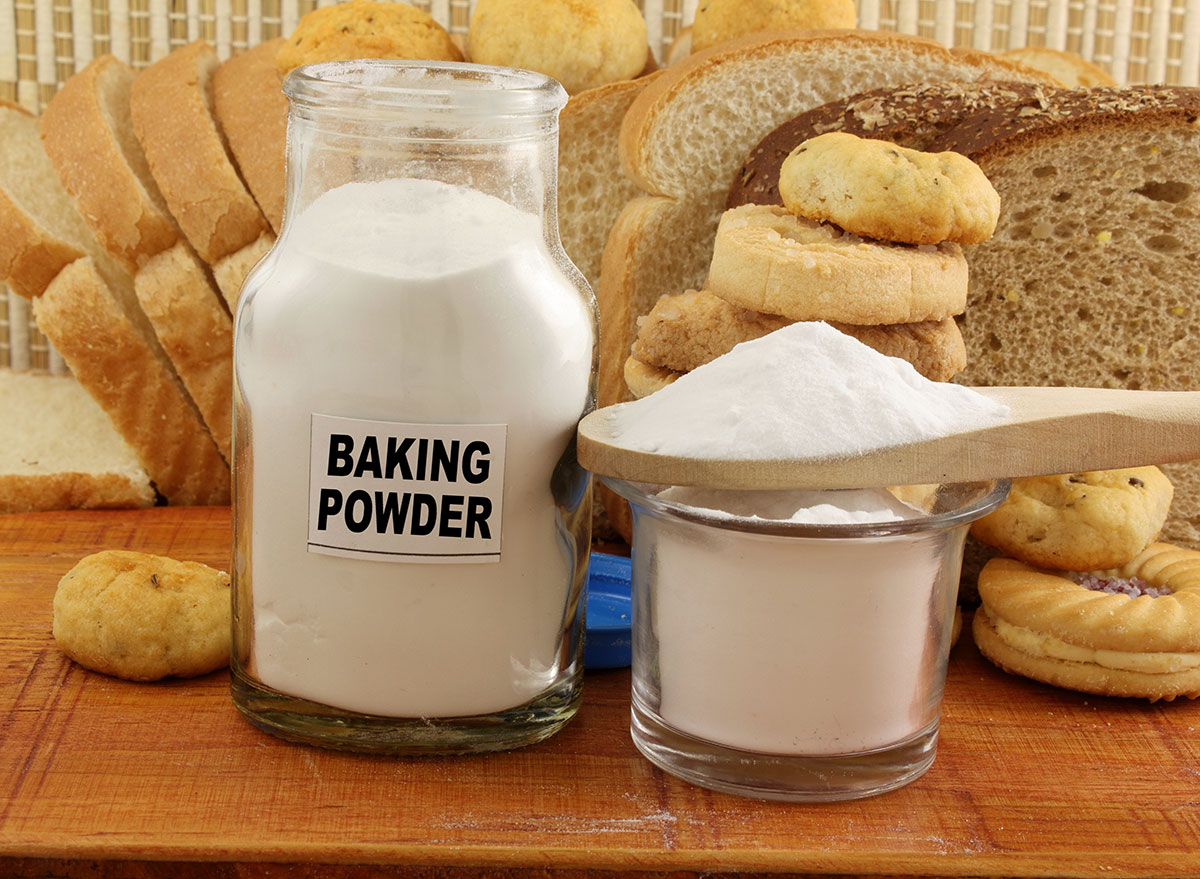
[[493, 130]]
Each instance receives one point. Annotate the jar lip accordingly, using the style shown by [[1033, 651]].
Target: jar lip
[[978, 499], [449, 86]]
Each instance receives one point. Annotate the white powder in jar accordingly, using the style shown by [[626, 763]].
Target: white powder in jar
[[411, 301], [803, 391], [795, 646]]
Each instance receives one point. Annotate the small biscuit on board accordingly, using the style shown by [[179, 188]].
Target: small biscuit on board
[[768, 259], [1079, 521], [877, 189], [365, 29], [143, 617], [1050, 628]]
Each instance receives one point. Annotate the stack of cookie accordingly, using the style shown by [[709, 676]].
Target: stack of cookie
[[868, 238], [1086, 599]]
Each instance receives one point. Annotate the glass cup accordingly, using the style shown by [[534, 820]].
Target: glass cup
[[794, 661]]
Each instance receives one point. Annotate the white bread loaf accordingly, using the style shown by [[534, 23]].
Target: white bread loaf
[[171, 109], [105, 340], [59, 451], [88, 134]]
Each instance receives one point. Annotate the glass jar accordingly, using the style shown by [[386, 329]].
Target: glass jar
[[411, 360], [794, 660]]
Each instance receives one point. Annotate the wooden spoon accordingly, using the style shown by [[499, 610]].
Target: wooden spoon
[[1049, 430]]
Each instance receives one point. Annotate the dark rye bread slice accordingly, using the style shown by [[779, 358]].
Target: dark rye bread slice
[[1093, 275], [911, 115]]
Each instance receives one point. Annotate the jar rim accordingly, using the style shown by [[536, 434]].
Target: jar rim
[[438, 86], [973, 500]]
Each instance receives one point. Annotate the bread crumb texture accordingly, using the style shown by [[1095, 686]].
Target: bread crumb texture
[[581, 43], [143, 617], [365, 29], [720, 20]]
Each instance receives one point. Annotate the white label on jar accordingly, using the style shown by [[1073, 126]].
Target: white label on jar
[[398, 492]]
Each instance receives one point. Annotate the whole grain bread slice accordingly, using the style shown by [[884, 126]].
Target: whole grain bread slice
[[117, 361], [88, 134], [171, 109], [59, 451], [1093, 275], [40, 229], [251, 110]]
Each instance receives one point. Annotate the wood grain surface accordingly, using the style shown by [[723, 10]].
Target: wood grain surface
[[103, 778]]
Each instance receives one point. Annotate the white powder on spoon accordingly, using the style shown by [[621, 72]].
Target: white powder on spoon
[[804, 391]]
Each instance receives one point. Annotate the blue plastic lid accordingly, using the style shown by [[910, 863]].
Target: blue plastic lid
[[609, 642]]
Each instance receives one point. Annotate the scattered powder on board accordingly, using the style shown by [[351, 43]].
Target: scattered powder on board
[[805, 391]]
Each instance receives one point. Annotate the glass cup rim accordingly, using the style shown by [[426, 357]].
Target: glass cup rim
[[473, 90], [985, 497]]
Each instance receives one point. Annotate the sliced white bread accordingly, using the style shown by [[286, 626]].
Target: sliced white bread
[[1071, 70], [230, 271], [106, 341], [686, 134], [195, 331], [171, 109], [40, 230], [88, 134], [591, 186], [251, 110], [1093, 274], [59, 451]]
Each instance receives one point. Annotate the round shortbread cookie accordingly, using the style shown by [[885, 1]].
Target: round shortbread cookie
[[686, 330], [767, 259], [642, 379], [1079, 521], [143, 617], [878, 189], [1048, 627]]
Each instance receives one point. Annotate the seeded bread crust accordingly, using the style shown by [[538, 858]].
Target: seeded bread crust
[[112, 360], [172, 117], [88, 134], [251, 110]]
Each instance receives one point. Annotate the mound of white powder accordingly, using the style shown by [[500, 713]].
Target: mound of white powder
[[804, 391]]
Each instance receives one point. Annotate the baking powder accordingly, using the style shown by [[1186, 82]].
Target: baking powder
[[421, 335], [804, 391]]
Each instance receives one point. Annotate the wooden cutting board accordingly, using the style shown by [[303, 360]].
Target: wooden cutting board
[[167, 779]]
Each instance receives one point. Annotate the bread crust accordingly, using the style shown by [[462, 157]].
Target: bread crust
[[251, 109], [111, 360], [27, 493], [173, 120], [195, 331], [129, 219]]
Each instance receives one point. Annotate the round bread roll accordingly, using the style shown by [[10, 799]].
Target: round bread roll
[[581, 43], [365, 29], [143, 617], [720, 20]]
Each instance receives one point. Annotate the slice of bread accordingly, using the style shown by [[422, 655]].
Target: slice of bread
[[59, 451], [171, 109], [230, 271], [88, 134], [251, 110], [592, 189], [195, 331], [115, 357], [1068, 68], [1091, 277], [40, 230]]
